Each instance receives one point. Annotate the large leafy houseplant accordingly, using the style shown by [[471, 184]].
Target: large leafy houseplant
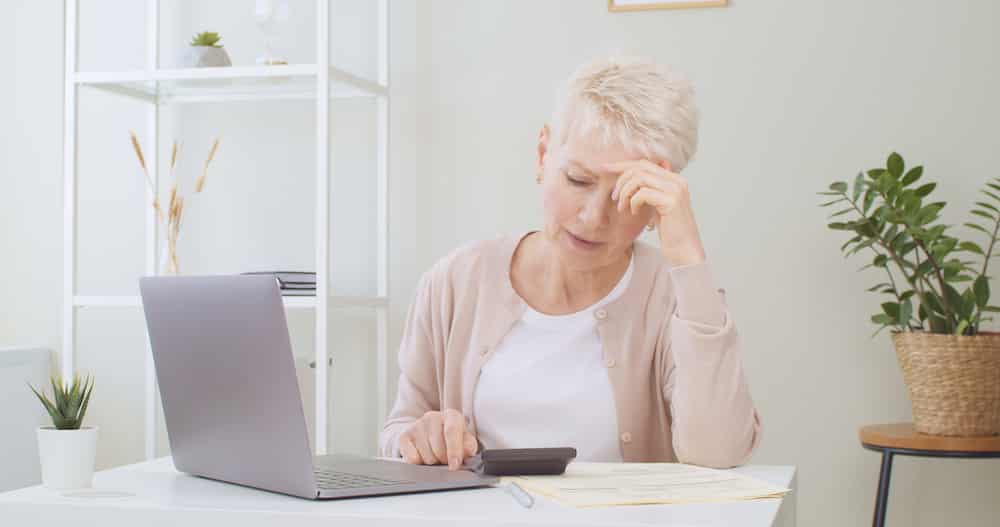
[[936, 282]]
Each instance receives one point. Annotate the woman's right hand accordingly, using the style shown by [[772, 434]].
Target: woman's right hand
[[438, 438]]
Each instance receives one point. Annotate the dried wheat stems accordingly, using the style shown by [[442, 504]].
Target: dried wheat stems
[[175, 208]]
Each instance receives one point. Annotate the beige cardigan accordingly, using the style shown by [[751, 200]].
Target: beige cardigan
[[670, 347]]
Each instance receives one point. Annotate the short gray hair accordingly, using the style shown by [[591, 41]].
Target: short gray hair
[[631, 102]]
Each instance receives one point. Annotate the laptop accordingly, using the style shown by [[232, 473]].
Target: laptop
[[231, 398]]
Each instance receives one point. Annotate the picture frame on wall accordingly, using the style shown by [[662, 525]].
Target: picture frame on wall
[[645, 5]]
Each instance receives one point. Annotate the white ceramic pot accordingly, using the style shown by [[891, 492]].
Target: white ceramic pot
[[67, 457], [206, 57]]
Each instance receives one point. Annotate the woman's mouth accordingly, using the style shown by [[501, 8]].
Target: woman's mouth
[[581, 243]]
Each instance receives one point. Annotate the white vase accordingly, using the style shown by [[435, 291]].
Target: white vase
[[206, 57], [168, 261], [67, 457]]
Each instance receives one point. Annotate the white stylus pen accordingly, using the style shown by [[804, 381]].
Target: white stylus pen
[[520, 495]]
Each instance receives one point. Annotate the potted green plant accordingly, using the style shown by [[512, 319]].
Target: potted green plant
[[66, 449], [205, 51], [936, 292]]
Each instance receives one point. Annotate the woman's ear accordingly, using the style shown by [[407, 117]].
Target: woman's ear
[[543, 148]]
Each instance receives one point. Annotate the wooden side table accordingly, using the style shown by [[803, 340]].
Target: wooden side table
[[902, 439]]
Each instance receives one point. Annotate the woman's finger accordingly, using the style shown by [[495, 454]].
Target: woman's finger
[[471, 444], [661, 201], [640, 181], [622, 180], [642, 165], [662, 180], [454, 433], [424, 448], [408, 450], [435, 436]]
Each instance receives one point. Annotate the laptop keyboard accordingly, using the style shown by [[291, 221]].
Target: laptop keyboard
[[334, 480]]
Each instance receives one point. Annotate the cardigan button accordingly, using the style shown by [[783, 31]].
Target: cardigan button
[[626, 437], [610, 363], [601, 314]]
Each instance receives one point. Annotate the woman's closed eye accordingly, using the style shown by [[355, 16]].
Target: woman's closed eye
[[576, 182]]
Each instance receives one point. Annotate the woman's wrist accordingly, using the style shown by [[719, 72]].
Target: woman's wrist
[[692, 254], [698, 297]]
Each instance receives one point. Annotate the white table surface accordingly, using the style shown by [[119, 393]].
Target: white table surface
[[153, 493]]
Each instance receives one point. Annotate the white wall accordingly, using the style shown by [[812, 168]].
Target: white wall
[[794, 94]]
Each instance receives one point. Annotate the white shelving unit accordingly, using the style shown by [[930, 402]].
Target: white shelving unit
[[163, 87]]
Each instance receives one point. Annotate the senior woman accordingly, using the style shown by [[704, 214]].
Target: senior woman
[[578, 334]]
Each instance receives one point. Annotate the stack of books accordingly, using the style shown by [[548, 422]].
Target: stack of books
[[293, 283]]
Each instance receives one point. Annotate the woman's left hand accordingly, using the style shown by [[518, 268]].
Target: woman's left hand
[[644, 183]]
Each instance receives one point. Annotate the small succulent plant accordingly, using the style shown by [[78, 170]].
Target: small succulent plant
[[207, 38], [70, 405]]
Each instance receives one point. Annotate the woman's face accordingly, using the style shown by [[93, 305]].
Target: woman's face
[[581, 220]]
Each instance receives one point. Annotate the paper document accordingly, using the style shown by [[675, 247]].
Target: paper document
[[607, 484]]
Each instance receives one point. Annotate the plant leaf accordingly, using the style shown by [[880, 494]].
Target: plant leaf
[[924, 190], [869, 199], [977, 227], [905, 312], [876, 173], [938, 324], [49, 407], [848, 242], [859, 182], [882, 318], [838, 186], [86, 401], [912, 175], [971, 247], [861, 246], [981, 288], [932, 300], [988, 206], [895, 164], [59, 397], [874, 287], [982, 214], [841, 212]]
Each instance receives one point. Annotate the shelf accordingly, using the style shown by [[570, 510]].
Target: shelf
[[291, 302], [237, 83]]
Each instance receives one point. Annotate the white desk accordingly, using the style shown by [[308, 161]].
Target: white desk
[[152, 494]]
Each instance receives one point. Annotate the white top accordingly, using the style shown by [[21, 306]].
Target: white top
[[563, 353]]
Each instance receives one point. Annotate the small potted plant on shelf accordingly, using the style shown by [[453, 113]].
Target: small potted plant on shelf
[[67, 450], [937, 292], [206, 52]]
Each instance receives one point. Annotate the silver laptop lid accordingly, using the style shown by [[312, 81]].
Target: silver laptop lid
[[227, 378]]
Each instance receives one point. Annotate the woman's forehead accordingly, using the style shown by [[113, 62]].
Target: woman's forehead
[[595, 162], [586, 153], [585, 167]]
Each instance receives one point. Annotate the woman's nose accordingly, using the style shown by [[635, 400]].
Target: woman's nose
[[597, 209]]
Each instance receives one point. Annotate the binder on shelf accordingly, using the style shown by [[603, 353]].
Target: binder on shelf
[[288, 280]]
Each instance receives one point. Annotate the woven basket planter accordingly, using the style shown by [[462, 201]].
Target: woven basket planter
[[954, 381]]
